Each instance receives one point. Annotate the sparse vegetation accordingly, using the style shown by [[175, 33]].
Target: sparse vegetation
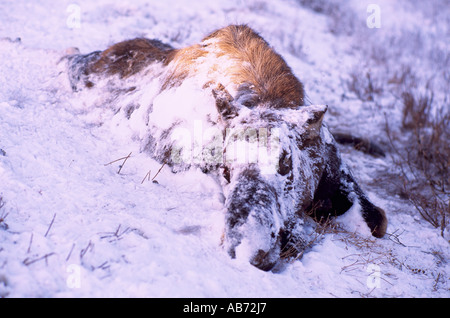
[[342, 19], [408, 72], [364, 86], [3, 215], [422, 154], [419, 143]]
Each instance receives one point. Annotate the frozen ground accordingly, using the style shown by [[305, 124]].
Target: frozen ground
[[71, 226]]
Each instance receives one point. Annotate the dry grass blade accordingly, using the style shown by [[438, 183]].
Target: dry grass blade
[[29, 261], [29, 245], [3, 215], [158, 171], [50, 226], [123, 163], [114, 236], [70, 253], [147, 176], [395, 237], [361, 260], [83, 251]]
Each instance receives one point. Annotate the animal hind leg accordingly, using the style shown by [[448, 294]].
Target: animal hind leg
[[337, 191], [374, 216]]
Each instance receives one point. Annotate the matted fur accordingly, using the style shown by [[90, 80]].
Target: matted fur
[[257, 73], [129, 57], [257, 70]]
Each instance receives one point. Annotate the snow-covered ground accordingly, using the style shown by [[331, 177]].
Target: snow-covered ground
[[72, 226]]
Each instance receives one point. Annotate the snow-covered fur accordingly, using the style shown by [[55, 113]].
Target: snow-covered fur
[[231, 106]]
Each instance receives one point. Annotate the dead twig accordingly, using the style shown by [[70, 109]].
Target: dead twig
[[123, 163], [395, 238], [3, 215], [105, 266], [362, 260], [29, 245], [114, 236], [159, 171], [147, 175], [85, 250], [28, 261], [50, 226], [70, 253]]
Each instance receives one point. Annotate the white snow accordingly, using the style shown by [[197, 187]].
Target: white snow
[[75, 227]]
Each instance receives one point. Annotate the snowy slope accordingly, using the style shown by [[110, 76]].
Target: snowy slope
[[72, 226]]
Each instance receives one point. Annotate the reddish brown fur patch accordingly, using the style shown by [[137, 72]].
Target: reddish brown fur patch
[[257, 67], [259, 73], [129, 57], [182, 61]]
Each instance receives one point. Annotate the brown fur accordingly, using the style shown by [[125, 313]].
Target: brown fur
[[257, 68], [182, 63], [260, 75], [130, 57], [259, 65]]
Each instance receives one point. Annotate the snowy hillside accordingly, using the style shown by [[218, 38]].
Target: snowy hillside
[[84, 213]]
